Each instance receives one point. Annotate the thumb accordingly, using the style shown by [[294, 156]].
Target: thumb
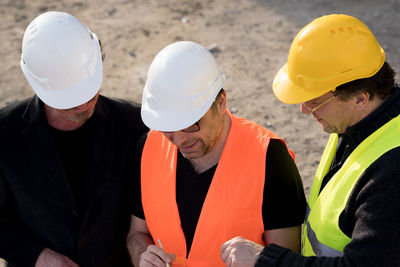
[[172, 257], [69, 262]]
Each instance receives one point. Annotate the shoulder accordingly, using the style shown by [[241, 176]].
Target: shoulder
[[140, 144], [120, 106], [11, 114], [374, 203], [277, 146], [249, 131], [380, 182], [123, 112], [385, 170]]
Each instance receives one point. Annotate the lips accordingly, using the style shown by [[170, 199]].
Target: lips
[[186, 147]]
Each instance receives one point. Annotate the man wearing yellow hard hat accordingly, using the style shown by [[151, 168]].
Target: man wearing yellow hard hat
[[336, 71]]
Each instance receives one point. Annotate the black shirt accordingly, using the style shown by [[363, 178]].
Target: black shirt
[[284, 202], [72, 147]]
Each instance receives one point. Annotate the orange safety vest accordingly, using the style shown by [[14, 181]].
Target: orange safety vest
[[233, 205]]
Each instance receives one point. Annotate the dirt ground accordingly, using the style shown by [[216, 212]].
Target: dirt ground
[[250, 39]]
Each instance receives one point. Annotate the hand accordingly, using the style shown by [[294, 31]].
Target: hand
[[240, 252], [155, 256], [50, 258]]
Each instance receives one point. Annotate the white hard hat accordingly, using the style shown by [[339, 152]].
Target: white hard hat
[[61, 59], [182, 83]]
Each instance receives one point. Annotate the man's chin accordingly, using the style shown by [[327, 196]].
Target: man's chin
[[81, 117], [329, 130], [326, 130], [190, 154]]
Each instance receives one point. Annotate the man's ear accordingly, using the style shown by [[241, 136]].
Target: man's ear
[[361, 100], [222, 100]]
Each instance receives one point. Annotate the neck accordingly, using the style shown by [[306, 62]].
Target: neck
[[59, 121], [371, 107], [210, 159]]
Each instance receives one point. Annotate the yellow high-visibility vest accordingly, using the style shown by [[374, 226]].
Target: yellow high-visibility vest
[[321, 233]]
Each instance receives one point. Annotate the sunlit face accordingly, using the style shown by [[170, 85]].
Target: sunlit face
[[194, 145], [333, 114], [80, 113]]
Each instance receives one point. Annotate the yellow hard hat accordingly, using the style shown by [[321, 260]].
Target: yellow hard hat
[[329, 51]]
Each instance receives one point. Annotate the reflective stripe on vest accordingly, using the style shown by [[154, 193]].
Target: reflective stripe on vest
[[318, 248], [232, 207], [321, 233]]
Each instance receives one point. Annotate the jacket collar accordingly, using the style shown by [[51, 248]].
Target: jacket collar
[[388, 110], [34, 111]]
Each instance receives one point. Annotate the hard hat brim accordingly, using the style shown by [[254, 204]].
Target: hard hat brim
[[72, 96], [290, 93], [170, 121]]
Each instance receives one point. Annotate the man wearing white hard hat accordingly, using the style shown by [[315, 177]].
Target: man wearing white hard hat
[[65, 154], [336, 71], [206, 175]]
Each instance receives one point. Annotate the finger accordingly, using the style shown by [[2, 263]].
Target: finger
[[224, 249], [151, 261], [160, 253], [69, 262], [149, 258], [172, 257], [145, 263], [226, 253], [228, 262], [225, 245]]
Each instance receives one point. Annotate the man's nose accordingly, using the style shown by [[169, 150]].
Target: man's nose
[[304, 109], [177, 138]]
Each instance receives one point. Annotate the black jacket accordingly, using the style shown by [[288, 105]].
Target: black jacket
[[37, 209], [371, 217]]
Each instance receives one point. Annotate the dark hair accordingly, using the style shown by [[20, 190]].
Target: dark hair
[[380, 84], [214, 104], [103, 54]]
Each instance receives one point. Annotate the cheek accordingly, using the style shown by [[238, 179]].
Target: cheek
[[93, 103], [212, 135], [168, 136]]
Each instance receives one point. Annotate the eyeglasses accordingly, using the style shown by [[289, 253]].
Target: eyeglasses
[[312, 110], [191, 129]]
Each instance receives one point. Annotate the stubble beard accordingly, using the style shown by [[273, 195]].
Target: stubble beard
[[79, 117], [201, 151]]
